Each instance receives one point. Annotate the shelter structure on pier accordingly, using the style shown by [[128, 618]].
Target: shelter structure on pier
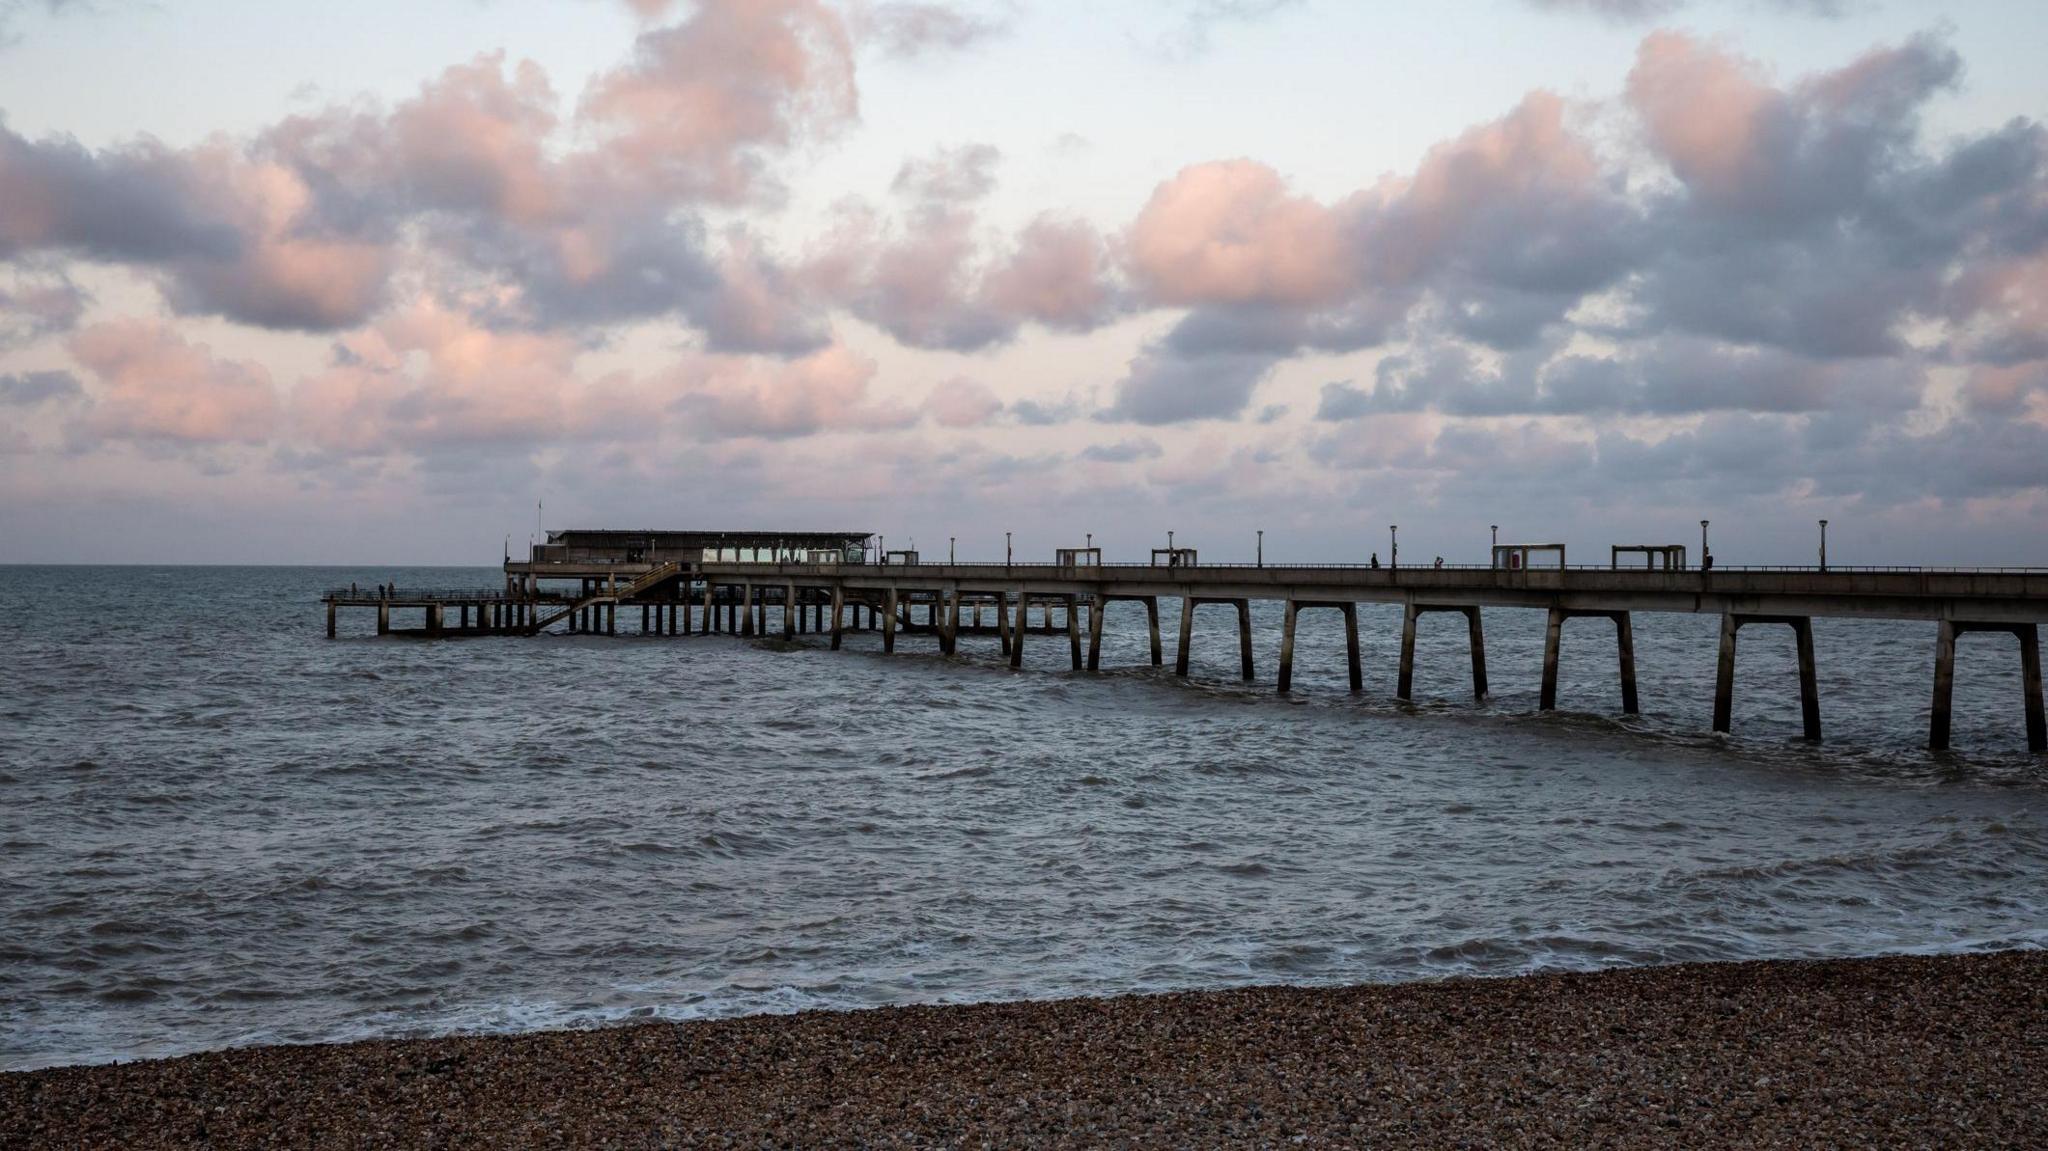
[[1516, 557], [1656, 557]]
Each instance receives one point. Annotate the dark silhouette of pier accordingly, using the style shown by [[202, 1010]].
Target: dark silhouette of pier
[[829, 583]]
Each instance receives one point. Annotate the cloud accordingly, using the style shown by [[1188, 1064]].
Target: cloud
[[908, 31], [1228, 232], [35, 307], [1639, 11], [1123, 451], [33, 389], [1058, 274], [152, 385], [303, 226], [823, 392], [1199, 20], [1165, 386], [426, 377], [937, 278], [962, 403], [700, 101], [1767, 243]]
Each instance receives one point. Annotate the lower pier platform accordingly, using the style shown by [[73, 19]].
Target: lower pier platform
[[1017, 602]]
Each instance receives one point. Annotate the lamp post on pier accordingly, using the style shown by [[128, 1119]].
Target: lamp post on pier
[[1493, 553], [1008, 555], [949, 549], [1705, 555], [1823, 545], [1262, 547], [1393, 545]]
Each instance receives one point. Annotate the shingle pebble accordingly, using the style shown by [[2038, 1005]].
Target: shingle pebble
[[1921, 1051]]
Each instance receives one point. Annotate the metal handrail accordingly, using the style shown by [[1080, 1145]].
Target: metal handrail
[[1831, 569]]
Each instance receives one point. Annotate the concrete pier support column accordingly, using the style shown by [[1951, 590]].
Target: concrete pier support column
[[1152, 621], [434, 619], [1187, 635], [1017, 633], [949, 639], [2029, 636], [383, 618], [1404, 685], [1809, 684], [1352, 664], [1553, 639], [889, 623], [708, 609], [1244, 639], [1073, 604], [1095, 607], [838, 616], [1002, 606], [611, 619], [1477, 635], [789, 611], [2030, 686], [1625, 646], [746, 620], [330, 619], [645, 622], [1809, 680], [1724, 675], [1287, 646]]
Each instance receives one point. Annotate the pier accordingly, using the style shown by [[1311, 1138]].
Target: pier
[[691, 583]]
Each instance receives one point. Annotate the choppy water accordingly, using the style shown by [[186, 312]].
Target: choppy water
[[217, 827]]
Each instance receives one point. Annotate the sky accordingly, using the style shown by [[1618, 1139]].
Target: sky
[[386, 283]]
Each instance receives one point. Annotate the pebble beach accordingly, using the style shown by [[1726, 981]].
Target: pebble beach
[[1917, 1051]]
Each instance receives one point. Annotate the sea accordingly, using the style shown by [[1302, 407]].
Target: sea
[[218, 827]]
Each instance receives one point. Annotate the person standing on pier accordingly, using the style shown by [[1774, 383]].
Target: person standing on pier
[[1375, 559]]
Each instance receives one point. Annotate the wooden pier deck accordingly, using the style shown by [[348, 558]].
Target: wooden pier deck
[[732, 596]]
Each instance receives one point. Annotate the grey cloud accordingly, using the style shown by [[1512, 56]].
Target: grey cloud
[[34, 308], [1165, 386], [1638, 11], [1343, 401], [908, 30], [1668, 377], [1032, 413], [30, 389], [1621, 11], [143, 203], [952, 175], [1123, 451]]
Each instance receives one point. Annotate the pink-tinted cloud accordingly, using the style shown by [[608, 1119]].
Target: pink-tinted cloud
[[1058, 274], [1711, 115], [718, 396], [938, 278], [427, 376], [699, 101], [152, 385], [1230, 232], [963, 403]]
